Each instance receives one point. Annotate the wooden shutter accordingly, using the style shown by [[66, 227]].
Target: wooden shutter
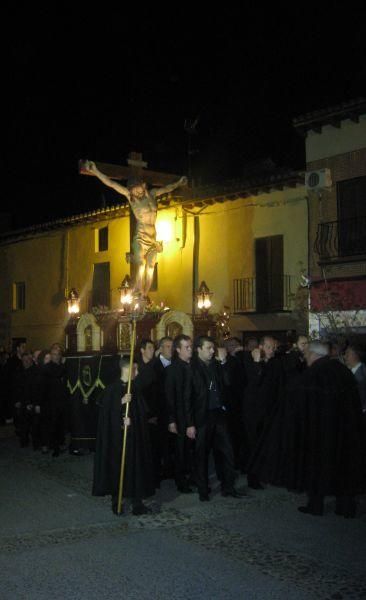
[[103, 239], [101, 285], [269, 273], [351, 195]]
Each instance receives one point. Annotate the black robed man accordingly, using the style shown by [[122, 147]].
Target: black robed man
[[139, 475]]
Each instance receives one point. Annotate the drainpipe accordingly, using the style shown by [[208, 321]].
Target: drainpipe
[[196, 256], [67, 262], [307, 200]]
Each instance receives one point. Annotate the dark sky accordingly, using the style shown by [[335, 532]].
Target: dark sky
[[101, 84]]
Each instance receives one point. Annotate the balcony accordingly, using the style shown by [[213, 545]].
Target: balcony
[[259, 295], [341, 239]]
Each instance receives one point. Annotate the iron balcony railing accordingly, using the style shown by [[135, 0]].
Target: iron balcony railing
[[341, 238], [265, 295]]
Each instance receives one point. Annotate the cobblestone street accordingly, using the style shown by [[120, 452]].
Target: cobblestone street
[[57, 541]]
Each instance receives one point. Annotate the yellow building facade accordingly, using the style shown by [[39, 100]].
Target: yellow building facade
[[335, 142], [211, 237]]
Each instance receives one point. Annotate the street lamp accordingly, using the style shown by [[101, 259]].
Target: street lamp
[[73, 302], [164, 231], [126, 295], [204, 298]]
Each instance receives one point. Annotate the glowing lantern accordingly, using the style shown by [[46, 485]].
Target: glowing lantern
[[126, 292], [73, 302], [164, 231], [204, 298]]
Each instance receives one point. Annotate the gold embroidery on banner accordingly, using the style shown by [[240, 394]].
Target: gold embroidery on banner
[[98, 383]]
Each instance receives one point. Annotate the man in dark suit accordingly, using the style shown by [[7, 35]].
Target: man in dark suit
[[147, 376], [262, 371], [14, 367], [178, 383], [55, 401], [25, 394], [160, 364], [206, 419], [235, 398], [355, 360]]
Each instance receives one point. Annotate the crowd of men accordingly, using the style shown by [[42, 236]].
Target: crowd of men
[[288, 416], [293, 417], [35, 397]]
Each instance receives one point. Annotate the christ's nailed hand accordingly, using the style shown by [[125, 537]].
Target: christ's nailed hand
[[126, 398], [89, 165], [191, 433]]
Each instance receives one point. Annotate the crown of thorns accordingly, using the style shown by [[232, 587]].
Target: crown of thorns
[[134, 181]]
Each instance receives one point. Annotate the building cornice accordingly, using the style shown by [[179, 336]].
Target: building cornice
[[333, 115], [190, 198]]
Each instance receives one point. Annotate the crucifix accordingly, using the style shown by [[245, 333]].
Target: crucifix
[[143, 204]]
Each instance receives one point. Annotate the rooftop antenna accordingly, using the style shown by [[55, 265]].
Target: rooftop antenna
[[190, 127]]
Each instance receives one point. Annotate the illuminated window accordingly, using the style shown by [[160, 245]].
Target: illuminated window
[[101, 239], [19, 295]]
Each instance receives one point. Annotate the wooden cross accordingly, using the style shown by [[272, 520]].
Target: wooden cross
[[136, 168]]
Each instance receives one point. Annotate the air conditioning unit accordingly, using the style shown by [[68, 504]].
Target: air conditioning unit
[[318, 180]]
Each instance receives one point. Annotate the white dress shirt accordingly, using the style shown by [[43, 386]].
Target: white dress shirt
[[164, 361]]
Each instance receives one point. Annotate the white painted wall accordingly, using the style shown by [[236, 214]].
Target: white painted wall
[[333, 141]]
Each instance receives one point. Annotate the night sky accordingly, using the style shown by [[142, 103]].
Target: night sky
[[103, 84]]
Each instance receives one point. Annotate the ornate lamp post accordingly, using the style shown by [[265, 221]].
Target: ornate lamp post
[[136, 312], [73, 302], [203, 297]]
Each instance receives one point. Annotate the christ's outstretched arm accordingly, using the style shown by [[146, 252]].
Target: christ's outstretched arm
[[170, 187], [91, 166]]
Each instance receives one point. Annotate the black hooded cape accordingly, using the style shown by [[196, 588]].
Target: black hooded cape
[[139, 479], [323, 453], [270, 459]]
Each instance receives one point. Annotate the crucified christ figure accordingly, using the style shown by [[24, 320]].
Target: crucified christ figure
[[144, 205]]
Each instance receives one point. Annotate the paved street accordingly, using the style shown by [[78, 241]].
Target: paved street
[[58, 542]]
